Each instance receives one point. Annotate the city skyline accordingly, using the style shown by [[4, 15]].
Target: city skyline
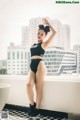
[[15, 14], [57, 60]]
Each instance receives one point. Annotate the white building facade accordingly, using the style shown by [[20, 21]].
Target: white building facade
[[77, 49], [3, 64], [33, 25], [59, 61], [62, 38], [18, 60], [26, 37]]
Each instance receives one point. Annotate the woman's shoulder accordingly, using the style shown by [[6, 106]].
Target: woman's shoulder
[[42, 45], [33, 44]]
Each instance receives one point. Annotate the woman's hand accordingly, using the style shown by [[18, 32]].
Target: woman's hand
[[45, 21]]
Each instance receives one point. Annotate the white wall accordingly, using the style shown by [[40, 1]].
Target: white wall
[[60, 93]]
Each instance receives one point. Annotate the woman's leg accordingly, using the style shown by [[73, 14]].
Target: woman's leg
[[40, 74], [29, 86]]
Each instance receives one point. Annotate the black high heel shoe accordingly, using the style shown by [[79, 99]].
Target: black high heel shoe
[[35, 113], [31, 108]]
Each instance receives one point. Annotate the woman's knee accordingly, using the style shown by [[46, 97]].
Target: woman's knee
[[29, 85]]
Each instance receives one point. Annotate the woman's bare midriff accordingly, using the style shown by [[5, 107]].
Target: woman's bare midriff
[[36, 57]]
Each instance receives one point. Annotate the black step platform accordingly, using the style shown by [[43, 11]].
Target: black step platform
[[20, 113]]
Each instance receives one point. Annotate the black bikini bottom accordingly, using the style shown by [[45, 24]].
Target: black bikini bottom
[[34, 64]]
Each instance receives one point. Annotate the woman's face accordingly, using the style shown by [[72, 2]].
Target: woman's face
[[41, 35]]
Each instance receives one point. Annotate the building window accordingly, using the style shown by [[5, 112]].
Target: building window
[[17, 54], [25, 55], [49, 55], [21, 55], [13, 55], [8, 55]]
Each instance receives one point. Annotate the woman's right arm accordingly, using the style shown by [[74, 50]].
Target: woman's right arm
[[54, 32]]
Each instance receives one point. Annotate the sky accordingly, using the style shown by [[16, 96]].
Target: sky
[[16, 13]]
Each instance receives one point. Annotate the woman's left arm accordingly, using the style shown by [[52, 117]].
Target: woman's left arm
[[47, 42]]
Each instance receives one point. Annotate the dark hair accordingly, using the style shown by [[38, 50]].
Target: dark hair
[[45, 28]]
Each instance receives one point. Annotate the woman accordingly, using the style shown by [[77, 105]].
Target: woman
[[37, 70]]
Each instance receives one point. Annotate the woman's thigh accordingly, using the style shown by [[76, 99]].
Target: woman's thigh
[[41, 72], [31, 77]]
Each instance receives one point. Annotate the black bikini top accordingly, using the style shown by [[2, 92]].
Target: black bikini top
[[36, 49]]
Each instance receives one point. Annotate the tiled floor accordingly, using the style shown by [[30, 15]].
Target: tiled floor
[[20, 113]]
